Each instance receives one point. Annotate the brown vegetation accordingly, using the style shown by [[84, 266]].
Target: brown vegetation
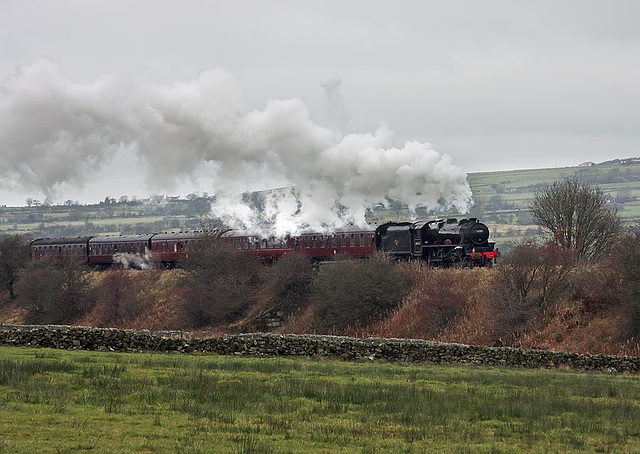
[[537, 297]]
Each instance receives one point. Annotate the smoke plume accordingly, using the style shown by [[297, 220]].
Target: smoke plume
[[54, 131]]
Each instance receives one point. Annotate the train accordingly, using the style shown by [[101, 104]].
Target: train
[[442, 243]]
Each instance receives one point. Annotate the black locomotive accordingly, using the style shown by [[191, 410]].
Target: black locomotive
[[440, 243]]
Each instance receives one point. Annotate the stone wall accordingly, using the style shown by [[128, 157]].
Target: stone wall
[[346, 348]]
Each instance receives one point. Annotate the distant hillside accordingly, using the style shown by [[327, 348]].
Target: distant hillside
[[502, 196], [501, 199]]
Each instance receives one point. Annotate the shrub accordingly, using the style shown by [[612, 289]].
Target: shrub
[[351, 293], [529, 278], [437, 299], [117, 298], [285, 289], [55, 291], [219, 286], [625, 261], [596, 287]]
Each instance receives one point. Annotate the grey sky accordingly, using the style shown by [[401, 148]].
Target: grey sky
[[493, 84]]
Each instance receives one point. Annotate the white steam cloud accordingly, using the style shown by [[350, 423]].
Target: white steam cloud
[[54, 131]]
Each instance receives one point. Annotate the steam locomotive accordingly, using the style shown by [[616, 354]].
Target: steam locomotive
[[439, 243]]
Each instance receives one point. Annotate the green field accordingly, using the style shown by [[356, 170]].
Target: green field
[[621, 181], [59, 401]]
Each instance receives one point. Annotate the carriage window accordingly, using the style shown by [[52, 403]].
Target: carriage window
[[353, 240], [306, 241], [362, 240], [334, 241], [343, 240], [314, 242]]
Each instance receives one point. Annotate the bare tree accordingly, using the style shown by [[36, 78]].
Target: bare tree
[[529, 278], [14, 255], [575, 215], [55, 291], [220, 283]]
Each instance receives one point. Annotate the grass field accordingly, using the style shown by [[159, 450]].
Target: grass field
[[58, 401]]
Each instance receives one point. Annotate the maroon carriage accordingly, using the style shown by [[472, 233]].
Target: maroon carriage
[[129, 251], [170, 249], [60, 247]]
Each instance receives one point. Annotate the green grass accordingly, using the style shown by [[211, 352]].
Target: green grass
[[58, 401]]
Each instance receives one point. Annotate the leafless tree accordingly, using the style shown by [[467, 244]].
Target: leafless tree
[[576, 217], [14, 256], [528, 279], [220, 283], [55, 291]]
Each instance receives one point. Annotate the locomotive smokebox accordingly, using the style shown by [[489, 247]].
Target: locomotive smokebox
[[478, 233]]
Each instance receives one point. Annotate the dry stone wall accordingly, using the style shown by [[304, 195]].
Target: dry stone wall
[[346, 348]]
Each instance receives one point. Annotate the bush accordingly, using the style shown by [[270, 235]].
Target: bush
[[117, 298], [437, 299], [351, 293], [529, 278], [625, 261], [220, 284], [285, 290], [596, 287], [55, 291]]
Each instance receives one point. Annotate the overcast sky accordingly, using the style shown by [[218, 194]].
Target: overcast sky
[[493, 85]]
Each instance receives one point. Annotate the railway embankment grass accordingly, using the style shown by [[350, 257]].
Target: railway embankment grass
[[54, 400]]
